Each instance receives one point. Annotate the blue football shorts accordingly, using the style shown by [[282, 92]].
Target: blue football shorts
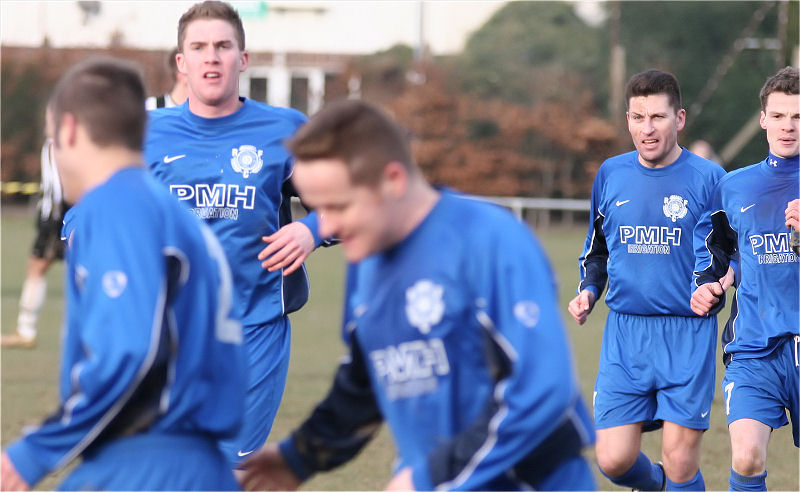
[[764, 388], [655, 368], [267, 347], [154, 461]]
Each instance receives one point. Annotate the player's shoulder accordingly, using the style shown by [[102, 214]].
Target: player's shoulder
[[703, 166], [161, 113], [163, 120], [741, 175], [289, 115], [619, 160], [128, 193], [618, 163], [479, 221]]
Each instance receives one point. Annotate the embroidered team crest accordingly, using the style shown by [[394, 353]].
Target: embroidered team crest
[[424, 305], [246, 160], [527, 313], [114, 283], [675, 207]]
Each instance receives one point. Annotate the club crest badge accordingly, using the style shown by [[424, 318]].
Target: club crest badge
[[675, 207], [527, 313], [114, 283], [246, 160], [424, 305]]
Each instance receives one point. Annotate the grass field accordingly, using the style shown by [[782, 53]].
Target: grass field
[[29, 377]]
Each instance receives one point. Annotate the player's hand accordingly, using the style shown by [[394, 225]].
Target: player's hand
[[288, 248], [401, 481], [581, 306], [267, 470], [793, 214], [10, 479], [706, 296]]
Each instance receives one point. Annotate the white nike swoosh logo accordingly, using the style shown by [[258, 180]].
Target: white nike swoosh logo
[[703, 415], [168, 159], [622, 202], [244, 454], [745, 209]]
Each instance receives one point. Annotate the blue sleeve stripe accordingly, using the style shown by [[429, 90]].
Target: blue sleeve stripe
[[76, 396], [487, 446]]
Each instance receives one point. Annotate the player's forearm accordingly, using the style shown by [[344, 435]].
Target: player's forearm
[[595, 276], [339, 427]]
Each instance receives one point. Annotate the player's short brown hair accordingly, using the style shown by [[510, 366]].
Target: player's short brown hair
[[651, 82], [211, 9], [106, 96], [361, 135], [785, 81]]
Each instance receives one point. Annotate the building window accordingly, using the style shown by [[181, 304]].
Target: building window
[[299, 94], [258, 89]]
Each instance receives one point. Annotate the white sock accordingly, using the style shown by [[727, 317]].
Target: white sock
[[34, 291]]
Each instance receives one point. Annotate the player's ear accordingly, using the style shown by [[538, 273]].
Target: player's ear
[[681, 119], [395, 179], [763, 120], [180, 62], [245, 60], [67, 130]]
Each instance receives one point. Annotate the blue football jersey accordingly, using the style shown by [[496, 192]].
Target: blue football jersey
[[148, 344], [747, 215], [234, 172], [640, 234], [464, 345]]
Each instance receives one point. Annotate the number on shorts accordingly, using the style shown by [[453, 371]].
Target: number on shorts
[[729, 391]]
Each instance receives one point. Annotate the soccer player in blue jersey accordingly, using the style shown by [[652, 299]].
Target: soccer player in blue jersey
[[751, 211], [454, 331], [223, 156], [657, 357], [153, 371]]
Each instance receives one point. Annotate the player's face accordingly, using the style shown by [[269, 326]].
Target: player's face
[[781, 120], [212, 62], [654, 126], [358, 215]]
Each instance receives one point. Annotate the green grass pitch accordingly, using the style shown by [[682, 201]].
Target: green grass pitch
[[29, 377]]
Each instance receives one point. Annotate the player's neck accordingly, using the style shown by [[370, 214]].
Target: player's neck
[[418, 203], [103, 163], [204, 110], [670, 158]]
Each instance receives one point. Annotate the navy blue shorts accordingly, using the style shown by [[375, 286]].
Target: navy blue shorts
[[655, 368], [154, 462], [765, 388], [267, 347]]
